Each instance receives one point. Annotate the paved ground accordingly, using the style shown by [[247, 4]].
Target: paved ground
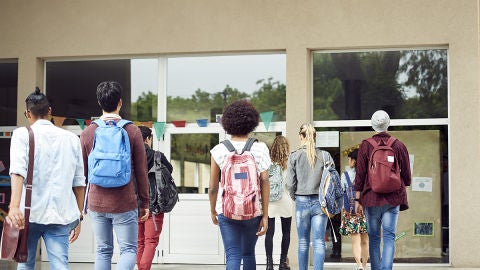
[[345, 266]]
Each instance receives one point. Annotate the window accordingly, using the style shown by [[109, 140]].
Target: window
[[408, 84], [71, 87], [199, 88], [206, 84], [412, 86], [8, 90]]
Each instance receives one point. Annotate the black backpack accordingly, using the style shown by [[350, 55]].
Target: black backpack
[[163, 191]]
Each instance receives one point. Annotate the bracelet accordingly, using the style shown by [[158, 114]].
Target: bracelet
[[357, 200]]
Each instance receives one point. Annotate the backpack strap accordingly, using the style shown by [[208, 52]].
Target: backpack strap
[[248, 144], [229, 146], [391, 140], [100, 123], [122, 123]]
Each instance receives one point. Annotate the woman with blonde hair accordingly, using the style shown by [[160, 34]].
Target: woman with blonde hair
[[280, 203], [304, 173]]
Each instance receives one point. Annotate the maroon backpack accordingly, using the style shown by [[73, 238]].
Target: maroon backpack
[[383, 168]]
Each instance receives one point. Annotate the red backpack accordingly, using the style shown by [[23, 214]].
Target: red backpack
[[241, 183], [383, 168]]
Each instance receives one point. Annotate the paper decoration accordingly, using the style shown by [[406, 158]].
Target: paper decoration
[[88, 121], [266, 119], [159, 129], [81, 123], [179, 123], [58, 120]]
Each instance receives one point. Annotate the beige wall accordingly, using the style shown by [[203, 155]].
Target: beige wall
[[36, 30]]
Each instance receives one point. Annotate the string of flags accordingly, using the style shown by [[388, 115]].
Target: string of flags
[[160, 127]]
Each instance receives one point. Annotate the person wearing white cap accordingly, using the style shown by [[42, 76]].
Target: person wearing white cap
[[382, 205]]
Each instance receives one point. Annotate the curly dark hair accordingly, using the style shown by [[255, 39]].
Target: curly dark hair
[[240, 118]]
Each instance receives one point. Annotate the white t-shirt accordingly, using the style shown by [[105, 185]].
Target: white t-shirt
[[259, 151]]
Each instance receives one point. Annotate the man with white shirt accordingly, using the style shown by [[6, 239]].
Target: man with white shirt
[[57, 187]]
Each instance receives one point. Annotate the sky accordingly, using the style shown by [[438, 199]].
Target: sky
[[209, 73]]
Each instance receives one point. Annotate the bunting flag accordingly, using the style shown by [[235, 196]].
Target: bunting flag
[[58, 120], [159, 129], [88, 121], [266, 119], [81, 123]]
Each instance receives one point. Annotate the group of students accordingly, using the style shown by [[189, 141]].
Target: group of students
[[61, 192], [63, 189], [302, 172]]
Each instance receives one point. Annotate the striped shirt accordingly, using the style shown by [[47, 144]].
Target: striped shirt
[[259, 151]]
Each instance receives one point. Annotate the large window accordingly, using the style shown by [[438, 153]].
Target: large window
[[412, 86], [199, 87], [206, 84], [409, 84], [71, 87]]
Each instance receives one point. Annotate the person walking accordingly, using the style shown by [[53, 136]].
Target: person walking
[[115, 208], [381, 209], [304, 173], [280, 208], [57, 187], [239, 236], [149, 230], [353, 224]]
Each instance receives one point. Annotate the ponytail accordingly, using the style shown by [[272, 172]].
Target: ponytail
[[308, 132]]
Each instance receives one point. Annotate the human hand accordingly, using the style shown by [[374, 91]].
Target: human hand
[[214, 217], [144, 213], [75, 233], [358, 208], [15, 217], [263, 227]]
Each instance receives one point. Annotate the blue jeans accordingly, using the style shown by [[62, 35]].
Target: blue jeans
[[125, 226], [56, 241], [239, 239], [380, 218], [310, 218]]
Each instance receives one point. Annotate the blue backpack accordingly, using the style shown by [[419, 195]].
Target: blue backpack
[[349, 196], [109, 161], [331, 193]]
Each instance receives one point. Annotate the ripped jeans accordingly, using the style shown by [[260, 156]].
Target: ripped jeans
[[310, 218]]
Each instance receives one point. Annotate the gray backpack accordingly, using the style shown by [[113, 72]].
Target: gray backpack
[[275, 174]]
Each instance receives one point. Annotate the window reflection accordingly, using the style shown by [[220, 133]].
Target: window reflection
[[190, 157], [71, 87], [407, 84], [206, 84]]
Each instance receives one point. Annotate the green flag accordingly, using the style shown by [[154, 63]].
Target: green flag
[[81, 123], [159, 129], [266, 119]]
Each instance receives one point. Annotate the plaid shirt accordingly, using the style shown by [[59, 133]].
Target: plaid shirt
[[368, 197]]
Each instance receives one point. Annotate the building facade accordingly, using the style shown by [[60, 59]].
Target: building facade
[[331, 63]]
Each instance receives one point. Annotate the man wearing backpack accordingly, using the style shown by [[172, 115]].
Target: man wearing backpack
[[383, 172], [113, 207]]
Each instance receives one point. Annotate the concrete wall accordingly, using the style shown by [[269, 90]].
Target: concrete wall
[[32, 31]]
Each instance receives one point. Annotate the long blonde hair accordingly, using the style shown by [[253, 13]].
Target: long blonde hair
[[280, 150], [307, 131]]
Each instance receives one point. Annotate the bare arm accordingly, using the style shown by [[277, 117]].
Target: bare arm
[[15, 216], [213, 189], [265, 192], [80, 196]]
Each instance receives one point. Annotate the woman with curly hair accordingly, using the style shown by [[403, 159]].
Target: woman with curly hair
[[354, 224], [239, 237]]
